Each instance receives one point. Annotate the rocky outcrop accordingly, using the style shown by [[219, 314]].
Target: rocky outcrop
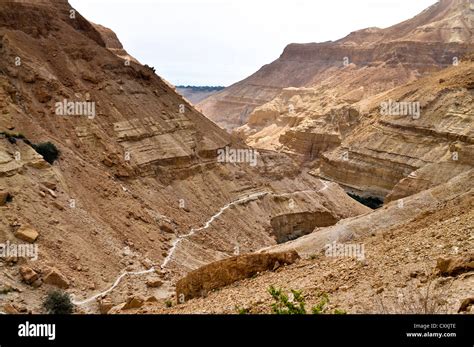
[[222, 273], [113, 44], [455, 266], [398, 155], [294, 225], [457, 191]]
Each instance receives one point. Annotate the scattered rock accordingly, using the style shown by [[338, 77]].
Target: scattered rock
[[28, 275], [58, 205], [49, 184], [56, 278], [133, 302], [37, 283], [154, 282], [276, 266], [105, 305], [27, 234], [166, 228]]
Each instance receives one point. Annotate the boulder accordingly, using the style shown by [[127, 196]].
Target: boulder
[[27, 234], [455, 266], [133, 302], [28, 275], [56, 278], [105, 305], [154, 282], [227, 271]]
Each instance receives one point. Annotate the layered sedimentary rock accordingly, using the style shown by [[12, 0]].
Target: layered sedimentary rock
[[137, 169], [365, 62], [385, 149], [222, 273]]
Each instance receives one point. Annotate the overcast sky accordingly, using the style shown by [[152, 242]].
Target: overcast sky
[[219, 42]]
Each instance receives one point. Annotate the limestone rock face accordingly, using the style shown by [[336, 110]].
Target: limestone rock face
[[222, 273], [293, 225], [408, 154]]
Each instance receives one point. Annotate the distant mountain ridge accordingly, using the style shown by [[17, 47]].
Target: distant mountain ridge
[[195, 94], [423, 44]]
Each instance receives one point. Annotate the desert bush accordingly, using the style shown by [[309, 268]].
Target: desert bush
[[58, 302], [417, 301], [283, 304]]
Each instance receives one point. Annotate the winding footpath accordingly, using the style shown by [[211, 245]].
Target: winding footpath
[[175, 244]]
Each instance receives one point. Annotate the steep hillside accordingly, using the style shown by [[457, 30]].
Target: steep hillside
[[138, 188], [406, 258]]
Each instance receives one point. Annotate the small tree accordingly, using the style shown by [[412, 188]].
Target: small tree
[[58, 302]]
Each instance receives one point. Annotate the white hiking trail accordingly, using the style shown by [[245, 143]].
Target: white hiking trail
[[176, 242]]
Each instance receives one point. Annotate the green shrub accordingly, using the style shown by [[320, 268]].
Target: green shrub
[[283, 305], [320, 308], [168, 303], [48, 150], [242, 310], [58, 302]]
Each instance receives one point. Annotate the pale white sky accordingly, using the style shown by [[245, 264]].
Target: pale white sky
[[219, 42]]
